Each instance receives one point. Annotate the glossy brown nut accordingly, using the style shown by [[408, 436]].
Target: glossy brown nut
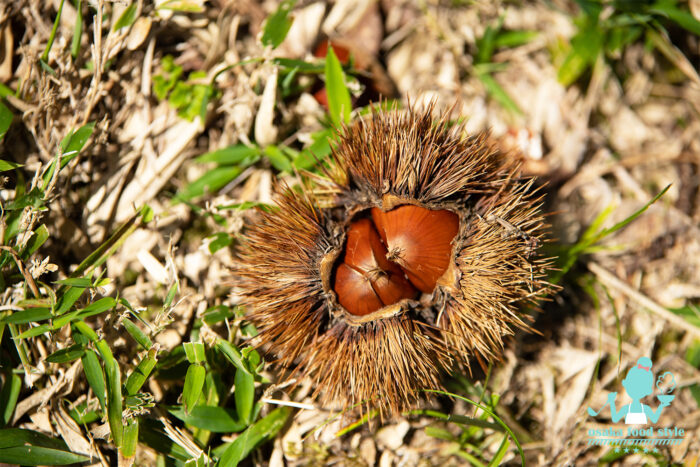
[[355, 292], [393, 256], [365, 254], [363, 248], [419, 240]]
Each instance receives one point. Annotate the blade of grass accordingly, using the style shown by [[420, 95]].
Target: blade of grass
[[244, 395], [6, 117], [127, 18], [95, 376], [208, 183], [214, 419], [67, 355], [131, 437], [364, 419], [8, 165], [8, 397], [263, 429], [232, 354], [496, 91], [138, 377], [114, 392], [52, 36], [194, 382], [77, 30], [277, 24], [139, 336], [231, 155], [605, 232], [36, 455], [70, 146], [339, 103], [500, 454], [456, 418], [488, 411], [104, 251]]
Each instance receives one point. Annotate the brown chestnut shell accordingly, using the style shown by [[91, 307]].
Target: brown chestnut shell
[[290, 261]]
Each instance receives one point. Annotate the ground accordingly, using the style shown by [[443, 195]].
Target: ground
[[119, 316]]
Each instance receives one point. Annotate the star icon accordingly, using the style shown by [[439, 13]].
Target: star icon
[[655, 450], [617, 449], [646, 449], [627, 450]]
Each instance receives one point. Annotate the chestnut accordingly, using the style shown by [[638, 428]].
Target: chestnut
[[393, 256], [397, 264], [419, 240], [376, 281]]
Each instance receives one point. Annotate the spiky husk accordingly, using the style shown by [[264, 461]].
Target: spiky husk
[[383, 161]]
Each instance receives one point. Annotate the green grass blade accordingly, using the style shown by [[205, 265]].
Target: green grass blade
[[278, 159], [114, 392], [339, 103], [277, 24], [211, 418], [52, 37], [139, 336], [681, 17], [13, 437], [100, 306], [67, 298], [231, 155], [104, 251], [67, 355], [34, 455], [488, 411], [30, 315], [8, 397], [456, 418], [353, 426], [499, 94], [8, 165], [6, 117], [194, 382], [41, 234], [127, 18], [95, 376], [194, 352], [208, 183], [71, 146], [262, 430], [77, 30], [138, 377], [605, 232], [511, 39], [500, 454], [244, 384], [131, 437], [85, 330], [232, 354]]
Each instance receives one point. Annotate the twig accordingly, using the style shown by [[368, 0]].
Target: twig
[[20, 264], [613, 281], [298, 405]]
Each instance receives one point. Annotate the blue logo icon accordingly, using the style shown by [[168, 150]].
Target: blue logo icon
[[638, 384]]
